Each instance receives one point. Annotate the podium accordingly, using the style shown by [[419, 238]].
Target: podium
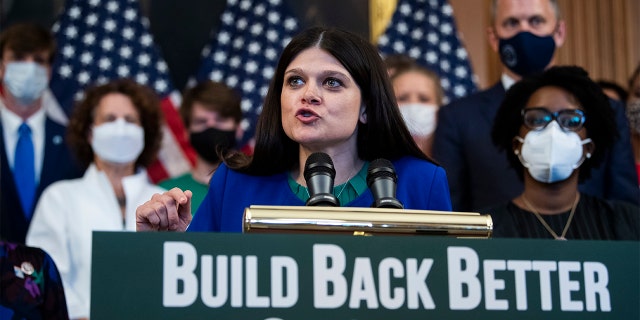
[[365, 221], [162, 275]]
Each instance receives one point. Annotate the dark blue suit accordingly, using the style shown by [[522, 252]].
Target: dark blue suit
[[480, 176], [58, 164]]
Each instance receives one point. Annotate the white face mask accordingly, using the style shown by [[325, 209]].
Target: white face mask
[[420, 118], [26, 81], [551, 154], [118, 141]]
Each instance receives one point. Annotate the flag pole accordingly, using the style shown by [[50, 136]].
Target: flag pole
[[380, 14]]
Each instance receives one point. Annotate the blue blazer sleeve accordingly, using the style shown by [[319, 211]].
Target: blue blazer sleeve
[[439, 197], [422, 185]]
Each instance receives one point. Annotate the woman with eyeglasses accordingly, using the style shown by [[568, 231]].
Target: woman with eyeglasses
[[555, 127]]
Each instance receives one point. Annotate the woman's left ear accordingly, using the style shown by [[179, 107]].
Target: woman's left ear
[[589, 148], [363, 114]]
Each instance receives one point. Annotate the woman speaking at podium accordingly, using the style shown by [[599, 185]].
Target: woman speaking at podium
[[330, 94]]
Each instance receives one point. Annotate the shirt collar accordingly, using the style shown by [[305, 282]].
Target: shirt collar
[[507, 81], [11, 121]]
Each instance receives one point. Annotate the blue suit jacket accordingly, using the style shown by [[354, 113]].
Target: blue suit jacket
[[58, 164], [421, 185], [480, 176]]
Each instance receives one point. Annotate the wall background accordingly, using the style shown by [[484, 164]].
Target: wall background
[[603, 35]]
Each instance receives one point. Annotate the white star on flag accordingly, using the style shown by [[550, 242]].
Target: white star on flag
[[433, 42], [244, 52]]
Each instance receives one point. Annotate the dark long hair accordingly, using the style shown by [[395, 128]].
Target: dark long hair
[[599, 116], [383, 136]]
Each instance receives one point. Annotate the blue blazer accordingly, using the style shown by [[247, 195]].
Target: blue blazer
[[480, 176], [421, 185], [58, 164]]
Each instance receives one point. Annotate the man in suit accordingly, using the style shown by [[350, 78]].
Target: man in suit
[[526, 34], [26, 54]]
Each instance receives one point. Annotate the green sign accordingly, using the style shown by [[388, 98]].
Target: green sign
[[277, 276]]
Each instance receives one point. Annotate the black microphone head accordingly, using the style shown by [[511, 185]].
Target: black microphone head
[[319, 163], [382, 179], [319, 174], [381, 169]]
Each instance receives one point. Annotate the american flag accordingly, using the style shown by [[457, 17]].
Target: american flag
[[426, 31], [102, 40], [244, 52]]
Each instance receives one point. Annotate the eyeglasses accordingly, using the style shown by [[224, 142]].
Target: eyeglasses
[[538, 118]]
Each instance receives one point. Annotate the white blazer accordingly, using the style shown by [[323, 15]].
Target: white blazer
[[65, 217]]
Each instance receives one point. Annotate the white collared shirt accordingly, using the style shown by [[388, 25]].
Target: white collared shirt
[[10, 124], [507, 81]]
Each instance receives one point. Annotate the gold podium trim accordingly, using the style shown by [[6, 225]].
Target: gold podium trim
[[365, 221]]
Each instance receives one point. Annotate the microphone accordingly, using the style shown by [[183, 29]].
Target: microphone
[[382, 179], [319, 174]]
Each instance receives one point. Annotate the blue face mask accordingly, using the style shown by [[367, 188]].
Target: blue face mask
[[526, 54]]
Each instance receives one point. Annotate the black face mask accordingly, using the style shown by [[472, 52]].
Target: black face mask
[[208, 143], [526, 54]]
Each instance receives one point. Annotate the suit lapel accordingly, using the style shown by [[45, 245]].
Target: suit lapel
[[492, 99], [54, 153]]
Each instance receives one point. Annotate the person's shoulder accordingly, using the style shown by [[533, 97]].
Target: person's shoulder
[[410, 163], [498, 211], [20, 249], [615, 204], [601, 205], [224, 172], [65, 184]]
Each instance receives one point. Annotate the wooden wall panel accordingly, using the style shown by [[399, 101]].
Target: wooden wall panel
[[602, 37]]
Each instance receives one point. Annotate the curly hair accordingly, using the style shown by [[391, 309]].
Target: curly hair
[[599, 117], [146, 103]]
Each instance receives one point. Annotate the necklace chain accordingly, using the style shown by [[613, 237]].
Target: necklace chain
[[344, 185], [544, 223]]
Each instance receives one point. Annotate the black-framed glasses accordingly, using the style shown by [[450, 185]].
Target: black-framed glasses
[[538, 118]]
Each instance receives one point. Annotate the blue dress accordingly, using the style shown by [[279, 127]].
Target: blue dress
[[422, 185]]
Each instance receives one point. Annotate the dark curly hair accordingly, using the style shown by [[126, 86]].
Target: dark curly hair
[[146, 103], [599, 117]]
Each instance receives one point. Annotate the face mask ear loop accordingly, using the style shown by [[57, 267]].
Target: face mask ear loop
[[585, 156], [517, 152]]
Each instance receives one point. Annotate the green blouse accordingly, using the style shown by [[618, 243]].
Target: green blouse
[[345, 192]]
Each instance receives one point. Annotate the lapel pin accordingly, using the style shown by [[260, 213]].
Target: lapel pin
[[27, 268]]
